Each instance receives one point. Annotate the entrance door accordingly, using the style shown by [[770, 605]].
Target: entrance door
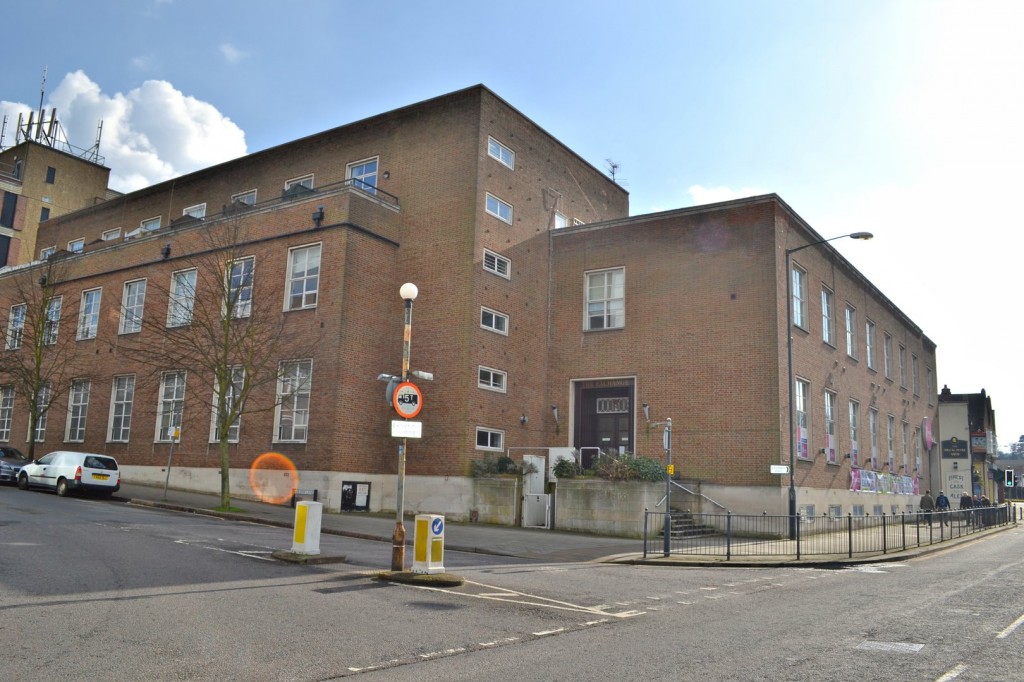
[[605, 420]]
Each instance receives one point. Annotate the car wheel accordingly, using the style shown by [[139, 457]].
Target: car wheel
[[62, 488], [23, 482]]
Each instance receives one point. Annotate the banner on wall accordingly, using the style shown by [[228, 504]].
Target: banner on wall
[[862, 480]]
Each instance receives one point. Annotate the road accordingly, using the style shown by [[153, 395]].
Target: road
[[91, 589]]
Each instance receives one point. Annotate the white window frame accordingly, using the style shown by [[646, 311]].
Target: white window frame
[[51, 326], [309, 285], [46, 252], [78, 410], [561, 221], [869, 343], [486, 312], [182, 297], [497, 264], [43, 404], [890, 440], [304, 180], [235, 428], [122, 396], [903, 365], [873, 435], [133, 306], [828, 316], [16, 326], [851, 331], [150, 224], [915, 374], [930, 384], [76, 245], [906, 444], [111, 235], [801, 395], [854, 416], [357, 174], [6, 412], [248, 197], [491, 379], [495, 439], [610, 307], [197, 211], [294, 388], [493, 205], [501, 153], [887, 354], [170, 405], [831, 403], [89, 314], [799, 291], [241, 302]]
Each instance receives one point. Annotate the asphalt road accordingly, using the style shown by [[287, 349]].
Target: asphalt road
[[98, 590]]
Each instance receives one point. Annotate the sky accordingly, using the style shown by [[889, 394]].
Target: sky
[[904, 118]]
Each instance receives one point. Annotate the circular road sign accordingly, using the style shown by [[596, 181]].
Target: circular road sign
[[407, 401]]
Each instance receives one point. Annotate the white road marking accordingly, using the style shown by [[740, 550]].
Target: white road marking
[[1009, 629], [544, 633], [954, 673]]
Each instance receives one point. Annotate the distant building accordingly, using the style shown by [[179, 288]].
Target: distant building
[[968, 445], [549, 317]]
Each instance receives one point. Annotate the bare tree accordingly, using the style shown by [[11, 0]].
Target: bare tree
[[230, 340], [38, 357]]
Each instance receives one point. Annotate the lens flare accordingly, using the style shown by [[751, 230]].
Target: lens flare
[[273, 478]]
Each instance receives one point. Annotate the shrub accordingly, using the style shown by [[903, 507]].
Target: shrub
[[629, 468], [566, 468]]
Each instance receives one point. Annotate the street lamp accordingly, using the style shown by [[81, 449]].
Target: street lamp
[[408, 293], [789, 355]]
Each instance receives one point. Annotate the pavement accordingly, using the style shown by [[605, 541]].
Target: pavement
[[529, 543]]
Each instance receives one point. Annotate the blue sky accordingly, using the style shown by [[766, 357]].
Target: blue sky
[[903, 118]]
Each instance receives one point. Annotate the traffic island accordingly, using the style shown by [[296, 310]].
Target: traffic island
[[307, 559], [422, 579]]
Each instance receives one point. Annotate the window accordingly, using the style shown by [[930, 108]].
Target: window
[[43, 408], [917, 449], [197, 211], [52, 324], [121, 408], [78, 408], [47, 252], [303, 277], [236, 380], [915, 374], [494, 321], [801, 390], [89, 314], [111, 235], [930, 384], [133, 300], [851, 331], [499, 209], [491, 379], [291, 418], [906, 444], [854, 427], [799, 297], [606, 306], [8, 208], [869, 343], [239, 294], [499, 265], [51, 175], [887, 354], [170, 407], [560, 221], [828, 316], [305, 181], [150, 224], [890, 440], [503, 154], [363, 175], [6, 412], [903, 365], [247, 198], [76, 245], [489, 439], [44, 214], [873, 433], [830, 428], [182, 299], [16, 326]]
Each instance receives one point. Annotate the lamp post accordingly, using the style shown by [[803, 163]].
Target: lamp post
[[408, 293], [789, 358]]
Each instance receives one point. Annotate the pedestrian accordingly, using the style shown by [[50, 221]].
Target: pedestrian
[[966, 504], [988, 513], [927, 506], [942, 507]]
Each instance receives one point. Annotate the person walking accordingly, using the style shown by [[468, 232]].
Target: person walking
[[966, 504], [942, 507], [927, 506]]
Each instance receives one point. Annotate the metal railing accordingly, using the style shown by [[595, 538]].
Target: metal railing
[[738, 535]]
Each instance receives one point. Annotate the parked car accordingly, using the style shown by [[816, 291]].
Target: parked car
[[64, 472], [11, 461]]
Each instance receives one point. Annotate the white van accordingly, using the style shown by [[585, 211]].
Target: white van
[[65, 471]]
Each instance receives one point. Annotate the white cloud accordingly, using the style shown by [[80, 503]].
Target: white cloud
[[710, 195], [232, 54], [150, 134]]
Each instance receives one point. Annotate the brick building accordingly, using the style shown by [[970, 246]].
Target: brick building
[[539, 297]]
